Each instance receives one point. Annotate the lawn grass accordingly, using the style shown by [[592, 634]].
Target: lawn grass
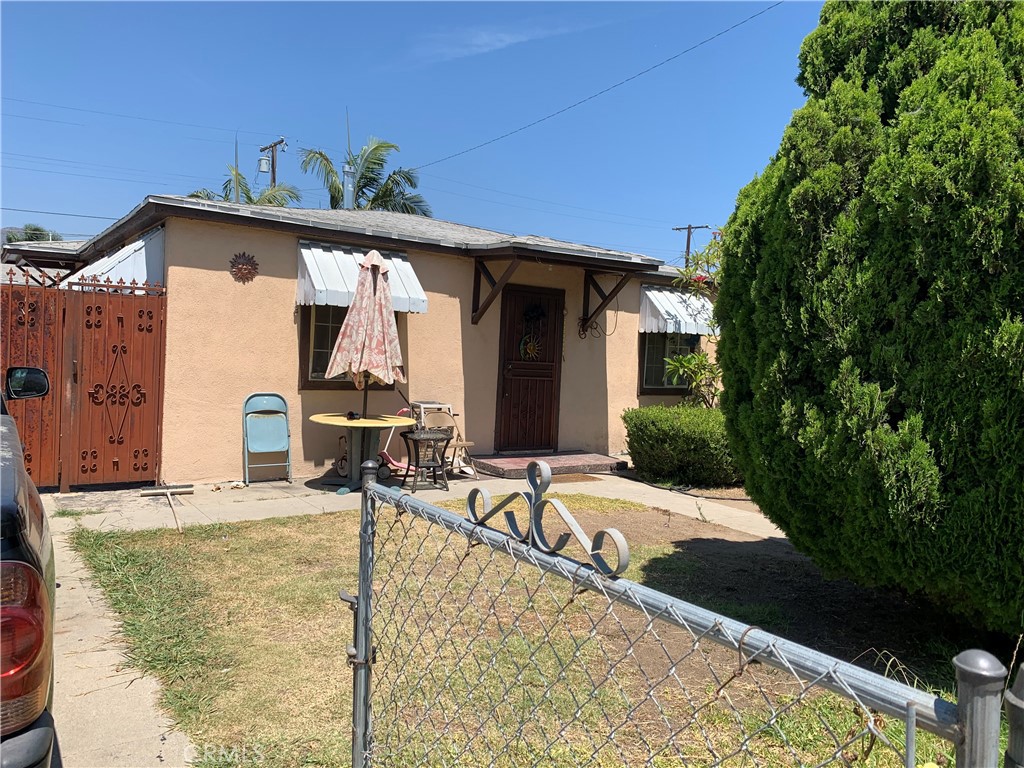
[[75, 513], [242, 625]]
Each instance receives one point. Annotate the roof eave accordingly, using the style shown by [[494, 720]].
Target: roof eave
[[156, 208], [568, 257]]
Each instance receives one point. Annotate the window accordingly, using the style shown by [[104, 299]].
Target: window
[[654, 348], [318, 331]]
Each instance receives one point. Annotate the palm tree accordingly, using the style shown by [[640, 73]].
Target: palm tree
[[30, 233], [278, 195], [373, 190]]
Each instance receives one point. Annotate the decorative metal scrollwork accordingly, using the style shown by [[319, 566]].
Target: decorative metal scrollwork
[[93, 314], [538, 476], [117, 394], [26, 313]]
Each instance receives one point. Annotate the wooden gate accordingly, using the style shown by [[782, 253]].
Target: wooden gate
[[531, 362], [31, 313], [103, 345]]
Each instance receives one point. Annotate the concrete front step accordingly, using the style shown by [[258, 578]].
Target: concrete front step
[[560, 463]]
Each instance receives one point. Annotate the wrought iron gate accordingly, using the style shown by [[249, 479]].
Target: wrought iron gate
[[103, 345]]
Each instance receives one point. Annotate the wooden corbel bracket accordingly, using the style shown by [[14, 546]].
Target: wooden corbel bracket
[[480, 307], [590, 284]]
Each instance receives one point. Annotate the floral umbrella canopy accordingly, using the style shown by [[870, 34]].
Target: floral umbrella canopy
[[367, 347]]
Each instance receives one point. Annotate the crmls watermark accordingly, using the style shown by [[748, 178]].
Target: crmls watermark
[[218, 754]]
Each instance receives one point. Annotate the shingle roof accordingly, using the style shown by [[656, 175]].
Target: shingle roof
[[47, 252], [403, 226], [47, 245]]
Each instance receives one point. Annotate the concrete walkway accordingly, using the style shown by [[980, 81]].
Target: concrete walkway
[[106, 712]]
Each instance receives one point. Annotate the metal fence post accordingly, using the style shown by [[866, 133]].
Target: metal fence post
[[979, 689], [362, 722], [1014, 704]]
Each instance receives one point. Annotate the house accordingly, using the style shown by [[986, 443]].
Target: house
[[538, 344]]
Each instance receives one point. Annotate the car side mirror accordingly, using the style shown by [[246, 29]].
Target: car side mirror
[[23, 383]]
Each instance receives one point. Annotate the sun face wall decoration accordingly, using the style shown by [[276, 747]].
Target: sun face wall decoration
[[529, 347], [244, 267]]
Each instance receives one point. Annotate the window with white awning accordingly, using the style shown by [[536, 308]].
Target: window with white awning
[[669, 310], [672, 322], [327, 276]]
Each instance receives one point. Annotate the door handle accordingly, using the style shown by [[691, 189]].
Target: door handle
[[74, 370]]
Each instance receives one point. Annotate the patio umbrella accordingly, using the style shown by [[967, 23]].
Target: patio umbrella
[[367, 347]]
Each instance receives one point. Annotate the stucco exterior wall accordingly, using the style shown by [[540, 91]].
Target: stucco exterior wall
[[226, 340]]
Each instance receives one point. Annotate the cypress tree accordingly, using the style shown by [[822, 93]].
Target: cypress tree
[[872, 307]]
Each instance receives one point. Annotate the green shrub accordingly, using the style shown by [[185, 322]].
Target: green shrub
[[683, 445], [872, 334]]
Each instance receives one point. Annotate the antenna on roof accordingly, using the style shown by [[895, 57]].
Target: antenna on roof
[[236, 165]]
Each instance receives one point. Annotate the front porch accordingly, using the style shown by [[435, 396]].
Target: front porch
[[561, 463]]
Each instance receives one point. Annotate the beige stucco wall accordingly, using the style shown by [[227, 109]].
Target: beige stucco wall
[[226, 340]]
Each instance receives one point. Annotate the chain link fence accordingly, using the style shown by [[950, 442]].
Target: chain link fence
[[521, 648]]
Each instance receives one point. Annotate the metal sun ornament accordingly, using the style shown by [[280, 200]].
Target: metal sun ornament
[[530, 347], [244, 267]]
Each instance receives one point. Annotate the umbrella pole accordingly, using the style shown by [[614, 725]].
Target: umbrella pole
[[365, 446]]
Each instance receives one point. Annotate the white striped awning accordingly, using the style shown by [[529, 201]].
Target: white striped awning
[[328, 274], [669, 310]]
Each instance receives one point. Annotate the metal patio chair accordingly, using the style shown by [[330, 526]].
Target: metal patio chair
[[265, 430], [460, 459]]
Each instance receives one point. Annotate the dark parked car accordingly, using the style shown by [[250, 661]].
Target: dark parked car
[[27, 595]]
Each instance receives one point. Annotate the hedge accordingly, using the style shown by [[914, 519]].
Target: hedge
[[682, 445]]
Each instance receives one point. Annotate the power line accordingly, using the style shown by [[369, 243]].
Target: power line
[[42, 119], [593, 96], [59, 213], [541, 210], [131, 117], [88, 176], [548, 202], [46, 159]]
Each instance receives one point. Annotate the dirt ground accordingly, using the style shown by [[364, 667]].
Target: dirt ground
[[666, 694], [768, 583]]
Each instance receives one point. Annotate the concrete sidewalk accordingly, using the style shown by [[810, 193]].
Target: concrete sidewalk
[[220, 503], [106, 712]]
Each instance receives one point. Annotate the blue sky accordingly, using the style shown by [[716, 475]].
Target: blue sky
[[104, 103]]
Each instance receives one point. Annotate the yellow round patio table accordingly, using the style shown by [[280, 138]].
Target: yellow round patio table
[[363, 438]]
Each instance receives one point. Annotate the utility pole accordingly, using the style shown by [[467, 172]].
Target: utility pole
[[273, 158], [689, 235]]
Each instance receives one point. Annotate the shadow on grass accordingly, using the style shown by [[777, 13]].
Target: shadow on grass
[[769, 584]]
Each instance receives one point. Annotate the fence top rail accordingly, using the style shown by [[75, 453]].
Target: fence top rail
[[95, 283], [869, 689], [33, 277]]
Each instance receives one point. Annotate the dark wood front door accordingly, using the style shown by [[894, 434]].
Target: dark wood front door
[[530, 374]]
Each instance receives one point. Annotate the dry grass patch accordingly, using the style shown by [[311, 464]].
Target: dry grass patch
[[477, 659]]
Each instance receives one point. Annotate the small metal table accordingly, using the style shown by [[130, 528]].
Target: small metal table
[[426, 449], [363, 439]]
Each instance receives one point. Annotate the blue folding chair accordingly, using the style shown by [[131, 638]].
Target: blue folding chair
[[265, 430]]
